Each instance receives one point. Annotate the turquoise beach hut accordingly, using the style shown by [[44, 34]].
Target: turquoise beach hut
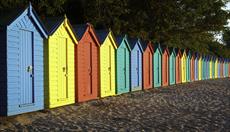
[[122, 65], [172, 66], [157, 66]]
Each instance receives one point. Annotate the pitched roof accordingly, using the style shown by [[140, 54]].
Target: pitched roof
[[80, 29], [144, 44], [172, 50], [177, 50], [52, 23], [132, 42], [119, 39], [102, 34]]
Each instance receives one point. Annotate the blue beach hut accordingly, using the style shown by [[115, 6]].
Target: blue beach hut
[[136, 63], [21, 37]]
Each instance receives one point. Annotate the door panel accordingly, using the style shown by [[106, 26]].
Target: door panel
[[88, 60], [109, 68], [149, 69], [26, 68], [62, 69], [124, 69], [138, 69]]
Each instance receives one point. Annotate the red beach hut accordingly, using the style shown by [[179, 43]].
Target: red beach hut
[[87, 63], [165, 67], [147, 65], [178, 66]]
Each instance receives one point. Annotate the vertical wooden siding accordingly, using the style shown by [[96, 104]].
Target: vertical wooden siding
[[87, 68], [123, 68], [147, 68]]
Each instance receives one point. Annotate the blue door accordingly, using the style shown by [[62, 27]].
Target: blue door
[[26, 68]]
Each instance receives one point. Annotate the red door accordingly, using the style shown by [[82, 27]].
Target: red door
[[87, 69], [165, 69], [147, 69]]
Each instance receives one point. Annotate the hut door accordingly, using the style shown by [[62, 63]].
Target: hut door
[[88, 55], [124, 68], [26, 68], [138, 59], [62, 69], [148, 69], [109, 68]]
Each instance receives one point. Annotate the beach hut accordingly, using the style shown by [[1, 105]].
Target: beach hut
[[203, 67], [183, 66], [213, 67], [178, 66], [147, 64], [172, 66], [188, 66], [107, 62], [87, 62], [226, 67], [165, 66], [192, 67], [221, 68], [59, 66], [196, 66], [207, 67], [136, 63], [200, 67], [157, 66], [122, 65], [210, 67], [216, 67], [21, 38]]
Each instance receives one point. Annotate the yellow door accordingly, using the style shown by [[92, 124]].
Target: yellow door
[[200, 69], [107, 68], [183, 69], [62, 69], [216, 69]]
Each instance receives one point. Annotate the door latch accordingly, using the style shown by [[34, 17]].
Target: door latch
[[29, 68]]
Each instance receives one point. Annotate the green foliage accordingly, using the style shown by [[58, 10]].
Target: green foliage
[[178, 23]]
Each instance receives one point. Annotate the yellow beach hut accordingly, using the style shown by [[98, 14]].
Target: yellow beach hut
[[59, 63], [210, 67], [183, 66], [200, 67], [107, 62]]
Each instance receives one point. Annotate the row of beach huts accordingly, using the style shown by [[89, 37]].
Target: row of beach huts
[[51, 63]]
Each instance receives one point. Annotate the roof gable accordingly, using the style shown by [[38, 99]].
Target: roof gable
[[82, 29], [102, 34], [53, 24], [147, 44], [165, 50], [158, 48], [178, 52], [12, 16], [172, 51], [105, 34], [135, 41], [120, 39]]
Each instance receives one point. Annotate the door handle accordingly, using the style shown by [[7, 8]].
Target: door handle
[[64, 69], [29, 68]]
